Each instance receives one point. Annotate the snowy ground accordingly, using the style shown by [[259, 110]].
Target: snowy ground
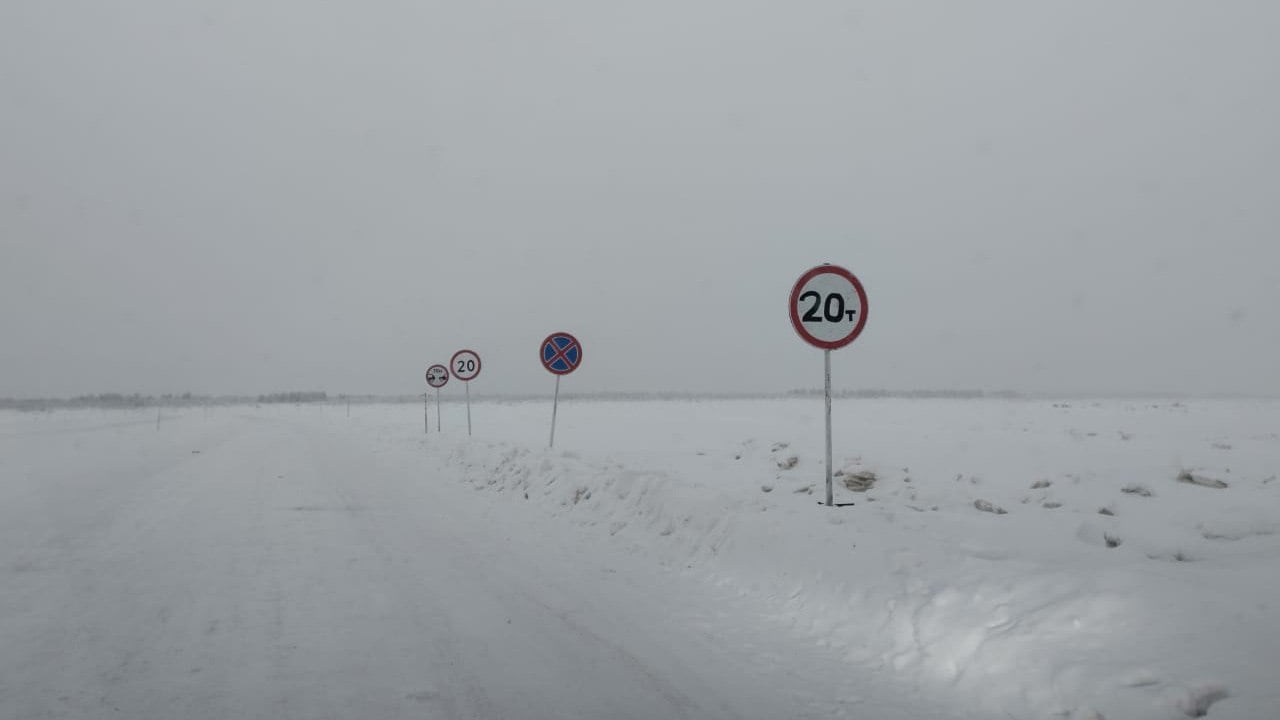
[[667, 559]]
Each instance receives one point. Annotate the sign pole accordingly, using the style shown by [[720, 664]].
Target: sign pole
[[426, 418], [468, 409], [555, 405], [437, 410], [826, 360]]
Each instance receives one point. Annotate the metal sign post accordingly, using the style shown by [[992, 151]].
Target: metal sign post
[[828, 310], [437, 377], [555, 406], [426, 417], [826, 361], [561, 354], [465, 365]]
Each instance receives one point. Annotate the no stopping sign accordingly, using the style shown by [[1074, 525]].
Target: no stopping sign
[[561, 353], [828, 307]]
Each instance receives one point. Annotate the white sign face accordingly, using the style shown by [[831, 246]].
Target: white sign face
[[465, 365], [828, 307], [437, 376]]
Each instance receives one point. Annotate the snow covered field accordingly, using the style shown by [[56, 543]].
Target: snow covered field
[[1024, 559]]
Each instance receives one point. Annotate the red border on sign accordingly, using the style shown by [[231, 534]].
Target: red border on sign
[[795, 310], [455, 357], [547, 364], [446, 376]]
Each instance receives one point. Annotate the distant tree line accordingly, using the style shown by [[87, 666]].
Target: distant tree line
[[118, 401], [293, 397], [913, 394]]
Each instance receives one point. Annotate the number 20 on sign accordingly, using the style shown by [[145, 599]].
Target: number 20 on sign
[[828, 310]]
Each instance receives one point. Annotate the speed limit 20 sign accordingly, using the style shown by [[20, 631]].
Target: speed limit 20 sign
[[828, 307], [465, 365]]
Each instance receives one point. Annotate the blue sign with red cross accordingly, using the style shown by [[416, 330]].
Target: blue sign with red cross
[[561, 353]]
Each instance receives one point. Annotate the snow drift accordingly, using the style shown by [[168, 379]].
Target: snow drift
[[1074, 595]]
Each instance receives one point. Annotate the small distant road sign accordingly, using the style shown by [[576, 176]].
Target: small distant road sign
[[828, 307], [465, 365], [561, 353], [437, 376]]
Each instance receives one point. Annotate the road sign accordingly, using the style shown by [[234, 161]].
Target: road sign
[[465, 365], [828, 310], [561, 353], [828, 307], [437, 376]]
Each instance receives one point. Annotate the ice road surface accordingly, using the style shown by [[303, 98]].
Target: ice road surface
[[1001, 559]]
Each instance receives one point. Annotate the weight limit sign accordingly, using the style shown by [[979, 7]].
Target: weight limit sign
[[828, 310], [828, 307]]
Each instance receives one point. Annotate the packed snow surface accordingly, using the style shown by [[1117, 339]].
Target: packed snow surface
[[1024, 559]]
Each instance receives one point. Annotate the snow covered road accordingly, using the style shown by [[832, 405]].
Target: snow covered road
[[255, 564]]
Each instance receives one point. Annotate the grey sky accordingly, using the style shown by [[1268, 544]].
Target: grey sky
[[258, 195]]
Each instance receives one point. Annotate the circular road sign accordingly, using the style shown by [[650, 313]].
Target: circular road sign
[[828, 307], [561, 353], [465, 365], [437, 376]]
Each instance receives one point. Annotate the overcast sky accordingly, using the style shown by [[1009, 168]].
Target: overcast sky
[[243, 196]]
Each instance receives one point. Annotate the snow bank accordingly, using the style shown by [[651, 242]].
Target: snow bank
[[1085, 598]]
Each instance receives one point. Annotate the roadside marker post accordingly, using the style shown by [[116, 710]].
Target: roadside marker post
[[828, 310], [465, 365], [561, 354]]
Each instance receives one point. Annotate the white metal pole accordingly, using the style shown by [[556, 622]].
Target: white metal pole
[[437, 409], [555, 405], [826, 357], [426, 416], [468, 408]]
